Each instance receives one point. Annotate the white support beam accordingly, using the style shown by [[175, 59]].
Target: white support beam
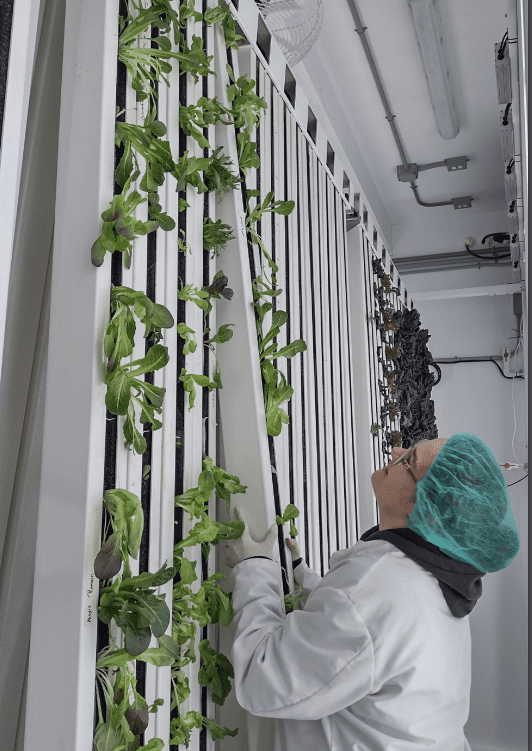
[[447, 294], [65, 597], [25, 33]]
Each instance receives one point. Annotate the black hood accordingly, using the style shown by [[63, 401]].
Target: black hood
[[460, 582]]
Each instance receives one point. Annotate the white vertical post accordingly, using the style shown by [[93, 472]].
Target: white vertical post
[[295, 328], [26, 25], [63, 630]]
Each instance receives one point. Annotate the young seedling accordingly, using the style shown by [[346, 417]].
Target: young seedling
[[217, 176], [119, 335], [291, 512], [126, 719], [276, 390], [145, 141], [195, 117], [124, 389], [127, 523], [268, 206], [292, 600], [136, 609], [246, 106], [216, 236], [215, 672], [222, 14], [120, 227], [186, 333]]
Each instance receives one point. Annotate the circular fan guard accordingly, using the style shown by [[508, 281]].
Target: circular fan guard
[[294, 24]]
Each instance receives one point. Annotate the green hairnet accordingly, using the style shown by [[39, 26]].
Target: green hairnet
[[463, 507]]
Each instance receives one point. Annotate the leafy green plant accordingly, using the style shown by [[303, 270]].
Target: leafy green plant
[[205, 112], [126, 718], [290, 513], [132, 603], [186, 333], [200, 297], [292, 600], [222, 14], [187, 172], [181, 728], [216, 235], [145, 141], [223, 334], [191, 380], [276, 389], [120, 227], [268, 206], [146, 64], [215, 672], [127, 523], [124, 389], [119, 334], [246, 106], [216, 176]]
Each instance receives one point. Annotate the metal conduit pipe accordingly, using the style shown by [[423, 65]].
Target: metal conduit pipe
[[360, 29]]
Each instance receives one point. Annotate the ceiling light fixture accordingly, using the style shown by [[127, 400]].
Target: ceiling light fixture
[[429, 34]]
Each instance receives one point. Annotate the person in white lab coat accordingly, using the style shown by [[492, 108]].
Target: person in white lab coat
[[379, 658]]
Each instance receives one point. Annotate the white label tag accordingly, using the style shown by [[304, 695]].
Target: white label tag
[[92, 588]]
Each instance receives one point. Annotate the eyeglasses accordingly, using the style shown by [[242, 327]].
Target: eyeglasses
[[408, 453]]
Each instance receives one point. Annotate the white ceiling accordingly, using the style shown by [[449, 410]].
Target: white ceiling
[[340, 72]]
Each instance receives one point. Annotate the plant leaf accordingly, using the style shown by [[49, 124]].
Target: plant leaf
[[98, 252], [291, 349], [109, 560], [160, 625], [137, 639], [137, 718], [156, 358], [118, 392]]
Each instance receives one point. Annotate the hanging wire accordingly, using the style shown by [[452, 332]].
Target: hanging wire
[[504, 42]]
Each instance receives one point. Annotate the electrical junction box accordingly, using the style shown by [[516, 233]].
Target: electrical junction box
[[502, 72], [407, 174], [510, 186], [513, 223], [464, 202], [456, 162], [507, 137]]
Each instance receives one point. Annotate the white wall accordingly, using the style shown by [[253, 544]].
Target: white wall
[[474, 397]]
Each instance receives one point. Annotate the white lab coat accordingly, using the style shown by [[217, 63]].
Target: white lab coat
[[374, 662]]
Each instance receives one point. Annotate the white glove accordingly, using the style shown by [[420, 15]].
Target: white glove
[[246, 547], [293, 547]]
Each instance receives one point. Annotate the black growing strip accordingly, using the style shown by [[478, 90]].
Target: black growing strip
[[205, 390], [180, 358], [6, 20], [312, 228], [318, 289], [333, 357], [145, 495], [302, 334]]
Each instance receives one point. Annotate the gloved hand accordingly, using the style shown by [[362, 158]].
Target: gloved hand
[[246, 547], [293, 547]]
